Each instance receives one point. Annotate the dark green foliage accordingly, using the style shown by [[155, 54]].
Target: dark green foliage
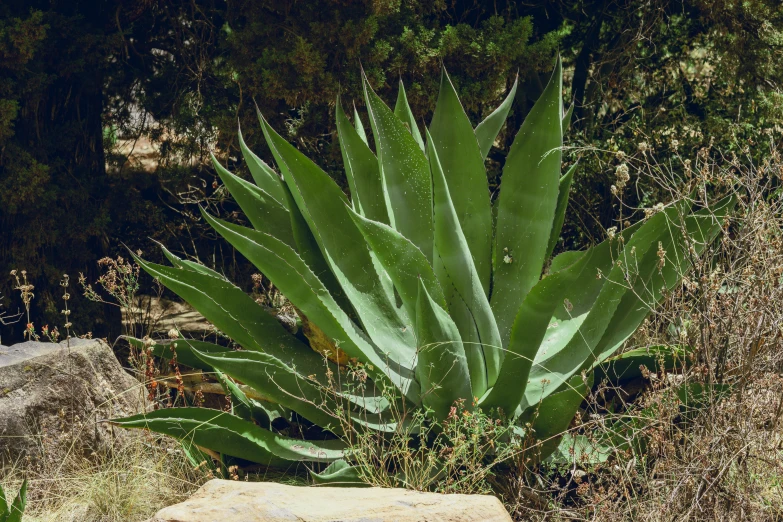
[[77, 78], [690, 74]]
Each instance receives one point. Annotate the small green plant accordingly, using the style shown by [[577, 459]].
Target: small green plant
[[421, 293], [13, 512]]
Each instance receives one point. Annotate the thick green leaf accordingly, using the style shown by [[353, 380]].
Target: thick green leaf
[[442, 369], [339, 474], [455, 270], [403, 111], [571, 342], [362, 171], [487, 131], [563, 190], [308, 249], [528, 199], [627, 365], [463, 167], [403, 261], [405, 174], [3, 505], [289, 273], [529, 329], [702, 227], [555, 413], [230, 435], [579, 450], [263, 211], [184, 349], [315, 396], [16, 510], [567, 118], [325, 209], [190, 265], [244, 407], [236, 314], [265, 178], [564, 260], [304, 393], [359, 126], [474, 351]]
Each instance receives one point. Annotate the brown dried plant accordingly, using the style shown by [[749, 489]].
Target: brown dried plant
[[720, 455]]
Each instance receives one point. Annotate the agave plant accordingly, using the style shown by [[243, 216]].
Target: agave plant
[[418, 282], [13, 511]]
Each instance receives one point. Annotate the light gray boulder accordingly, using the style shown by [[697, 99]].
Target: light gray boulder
[[52, 396], [233, 501]]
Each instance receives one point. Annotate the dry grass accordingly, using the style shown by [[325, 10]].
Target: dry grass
[[136, 476], [721, 458], [130, 484]]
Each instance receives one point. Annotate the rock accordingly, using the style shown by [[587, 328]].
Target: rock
[[158, 315], [231, 501], [161, 315], [52, 395]]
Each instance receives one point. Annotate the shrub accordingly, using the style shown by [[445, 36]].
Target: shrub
[[419, 294]]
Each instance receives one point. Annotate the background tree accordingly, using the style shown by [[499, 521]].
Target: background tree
[[79, 79]]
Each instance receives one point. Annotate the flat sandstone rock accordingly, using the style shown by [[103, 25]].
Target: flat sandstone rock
[[232, 501]]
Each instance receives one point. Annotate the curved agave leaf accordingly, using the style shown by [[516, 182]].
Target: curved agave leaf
[[323, 205], [627, 365], [265, 178], [405, 174], [230, 435], [309, 395], [563, 189], [455, 269], [572, 343], [463, 166], [361, 169], [474, 351], [339, 474], [702, 228], [529, 329], [359, 126], [244, 407], [190, 265], [308, 249], [403, 111], [184, 349], [487, 131], [442, 369], [306, 394], [567, 118], [554, 414], [403, 261], [292, 276], [527, 203], [262, 210], [564, 260], [15, 511], [235, 313]]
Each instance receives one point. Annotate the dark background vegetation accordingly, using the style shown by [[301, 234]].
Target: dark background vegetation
[[80, 78]]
